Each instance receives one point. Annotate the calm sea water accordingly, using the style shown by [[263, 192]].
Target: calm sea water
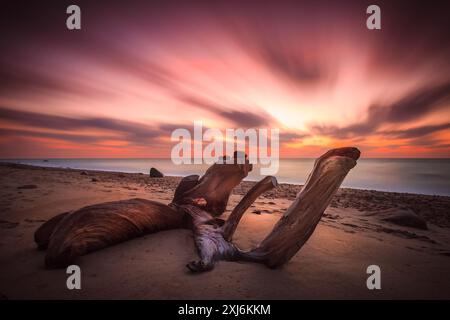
[[425, 176]]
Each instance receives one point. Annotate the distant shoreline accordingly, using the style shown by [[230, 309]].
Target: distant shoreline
[[18, 165]]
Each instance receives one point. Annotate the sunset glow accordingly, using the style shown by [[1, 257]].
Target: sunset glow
[[122, 84]]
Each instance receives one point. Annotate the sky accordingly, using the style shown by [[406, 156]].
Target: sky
[[137, 70]]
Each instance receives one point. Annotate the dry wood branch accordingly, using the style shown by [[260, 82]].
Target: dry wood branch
[[215, 185], [300, 220], [43, 233], [262, 186], [186, 184], [209, 240], [95, 227]]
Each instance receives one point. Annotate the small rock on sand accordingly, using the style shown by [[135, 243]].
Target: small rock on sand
[[155, 173], [402, 217]]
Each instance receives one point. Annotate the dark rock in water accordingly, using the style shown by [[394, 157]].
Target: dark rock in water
[[402, 217], [94, 180], [28, 186], [83, 173], [256, 211], [45, 160], [155, 173]]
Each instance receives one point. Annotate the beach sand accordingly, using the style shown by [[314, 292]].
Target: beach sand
[[351, 236]]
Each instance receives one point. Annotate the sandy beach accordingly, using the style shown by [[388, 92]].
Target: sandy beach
[[359, 228]]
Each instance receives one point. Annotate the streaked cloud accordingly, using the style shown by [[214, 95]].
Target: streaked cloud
[[411, 107], [136, 72]]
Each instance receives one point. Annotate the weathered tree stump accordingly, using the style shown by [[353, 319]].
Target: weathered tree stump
[[197, 205]]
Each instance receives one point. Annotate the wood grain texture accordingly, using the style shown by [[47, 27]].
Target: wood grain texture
[[98, 226]]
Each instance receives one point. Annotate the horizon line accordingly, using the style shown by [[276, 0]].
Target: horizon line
[[158, 158]]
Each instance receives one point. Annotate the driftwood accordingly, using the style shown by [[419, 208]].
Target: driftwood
[[197, 205]]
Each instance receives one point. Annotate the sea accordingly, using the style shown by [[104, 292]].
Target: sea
[[422, 176]]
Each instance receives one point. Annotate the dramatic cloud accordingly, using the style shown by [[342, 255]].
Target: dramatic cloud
[[76, 138], [415, 105], [18, 80], [417, 131], [129, 131], [413, 37], [242, 119], [293, 64], [292, 137], [411, 107], [137, 71]]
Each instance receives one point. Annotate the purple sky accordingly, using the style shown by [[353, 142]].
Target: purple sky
[[138, 70]]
